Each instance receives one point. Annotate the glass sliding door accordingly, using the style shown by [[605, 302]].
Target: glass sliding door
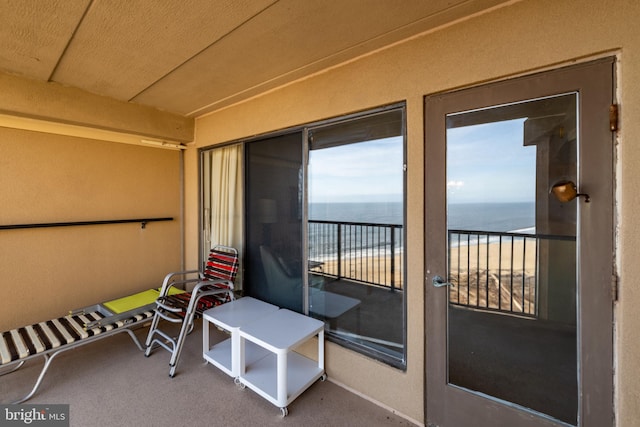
[[274, 264], [318, 216], [356, 232]]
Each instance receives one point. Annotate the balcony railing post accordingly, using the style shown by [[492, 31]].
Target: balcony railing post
[[339, 230], [393, 259]]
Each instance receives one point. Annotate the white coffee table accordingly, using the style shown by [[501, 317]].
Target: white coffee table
[[231, 316], [282, 375]]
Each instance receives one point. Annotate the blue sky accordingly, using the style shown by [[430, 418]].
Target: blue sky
[[488, 163], [363, 172]]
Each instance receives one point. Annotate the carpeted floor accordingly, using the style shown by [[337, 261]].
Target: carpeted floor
[[111, 383]]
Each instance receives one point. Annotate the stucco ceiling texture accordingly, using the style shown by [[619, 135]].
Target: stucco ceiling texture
[[194, 56]]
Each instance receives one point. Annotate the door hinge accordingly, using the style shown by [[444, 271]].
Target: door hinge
[[614, 287], [613, 117]]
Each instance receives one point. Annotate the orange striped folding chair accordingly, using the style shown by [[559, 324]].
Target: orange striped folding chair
[[214, 286]]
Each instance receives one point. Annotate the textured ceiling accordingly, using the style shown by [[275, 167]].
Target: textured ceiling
[[194, 56]]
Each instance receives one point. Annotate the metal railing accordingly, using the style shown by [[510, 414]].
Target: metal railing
[[496, 270], [362, 252]]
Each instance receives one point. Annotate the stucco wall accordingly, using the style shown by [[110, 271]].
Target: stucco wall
[[519, 38], [51, 178], [48, 178]]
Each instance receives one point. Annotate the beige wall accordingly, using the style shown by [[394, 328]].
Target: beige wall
[[50, 178], [46, 178], [523, 37]]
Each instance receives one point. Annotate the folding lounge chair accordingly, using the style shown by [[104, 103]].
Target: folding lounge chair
[[214, 286], [51, 338]]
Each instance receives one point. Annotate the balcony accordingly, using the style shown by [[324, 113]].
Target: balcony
[[364, 262], [503, 272], [491, 271], [111, 383], [365, 253], [499, 272]]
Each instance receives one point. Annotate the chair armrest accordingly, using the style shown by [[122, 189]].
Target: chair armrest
[[227, 283], [197, 294], [168, 283], [161, 304]]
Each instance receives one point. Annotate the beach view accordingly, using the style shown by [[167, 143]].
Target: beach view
[[495, 275], [492, 254]]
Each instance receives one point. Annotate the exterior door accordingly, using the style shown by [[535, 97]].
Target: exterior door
[[519, 251]]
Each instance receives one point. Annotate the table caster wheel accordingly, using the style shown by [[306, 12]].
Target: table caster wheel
[[285, 411]]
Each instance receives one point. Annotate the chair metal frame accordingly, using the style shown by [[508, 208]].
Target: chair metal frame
[[166, 309], [93, 331]]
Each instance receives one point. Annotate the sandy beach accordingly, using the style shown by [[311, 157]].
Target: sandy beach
[[368, 269], [494, 275], [519, 256], [479, 273]]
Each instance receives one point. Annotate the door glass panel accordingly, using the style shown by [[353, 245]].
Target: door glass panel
[[512, 254], [273, 221]]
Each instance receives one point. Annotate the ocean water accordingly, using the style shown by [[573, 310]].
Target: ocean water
[[500, 217], [506, 217], [368, 212], [369, 241]]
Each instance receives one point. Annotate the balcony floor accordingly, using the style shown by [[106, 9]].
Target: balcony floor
[[379, 316], [111, 383]]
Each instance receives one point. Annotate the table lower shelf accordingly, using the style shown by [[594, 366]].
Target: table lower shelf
[[220, 355], [261, 377]]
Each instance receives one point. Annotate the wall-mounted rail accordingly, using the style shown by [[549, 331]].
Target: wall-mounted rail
[[143, 223]]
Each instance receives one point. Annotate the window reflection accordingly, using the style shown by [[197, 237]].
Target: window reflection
[[356, 232]]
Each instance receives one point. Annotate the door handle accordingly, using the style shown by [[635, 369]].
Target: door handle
[[439, 282]]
